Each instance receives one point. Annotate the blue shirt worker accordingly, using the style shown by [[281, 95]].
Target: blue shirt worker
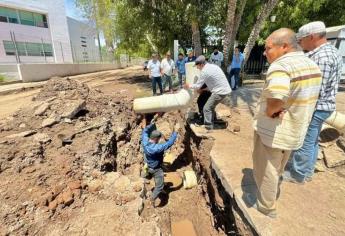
[[181, 69], [154, 154], [236, 64]]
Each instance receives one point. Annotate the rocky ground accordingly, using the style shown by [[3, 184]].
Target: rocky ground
[[70, 164]]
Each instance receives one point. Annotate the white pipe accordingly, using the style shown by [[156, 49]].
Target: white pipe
[[337, 120], [169, 102]]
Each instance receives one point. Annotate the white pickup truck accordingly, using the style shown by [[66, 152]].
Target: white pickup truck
[[336, 36]]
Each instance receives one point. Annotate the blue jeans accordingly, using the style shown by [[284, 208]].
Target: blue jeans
[[302, 161], [155, 81], [181, 78], [236, 73], [158, 176]]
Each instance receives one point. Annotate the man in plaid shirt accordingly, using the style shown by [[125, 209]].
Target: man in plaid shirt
[[312, 38]]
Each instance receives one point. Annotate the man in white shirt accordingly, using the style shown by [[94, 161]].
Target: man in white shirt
[[154, 67], [217, 57], [167, 69], [216, 81]]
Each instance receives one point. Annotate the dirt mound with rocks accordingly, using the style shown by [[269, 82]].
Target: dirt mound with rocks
[[72, 148]]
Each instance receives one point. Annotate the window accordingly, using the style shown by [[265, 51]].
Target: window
[[28, 49], [48, 49], [34, 49], [26, 18], [8, 15], [9, 48], [21, 48], [40, 20]]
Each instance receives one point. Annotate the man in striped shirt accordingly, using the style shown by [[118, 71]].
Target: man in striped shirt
[[312, 38], [283, 114]]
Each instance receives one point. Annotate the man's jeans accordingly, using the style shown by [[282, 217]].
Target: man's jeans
[[181, 78], [158, 176], [302, 161], [210, 106], [236, 73], [167, 80], [155, 81]]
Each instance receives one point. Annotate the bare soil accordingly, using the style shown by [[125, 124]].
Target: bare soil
[[70, 162]]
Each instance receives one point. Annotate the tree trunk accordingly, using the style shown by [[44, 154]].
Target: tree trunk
[[229, 29], [265, 10], [238, 18], [196, 38]]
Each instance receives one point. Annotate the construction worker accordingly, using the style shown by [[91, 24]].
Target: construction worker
[[217, 83], [154, 154]]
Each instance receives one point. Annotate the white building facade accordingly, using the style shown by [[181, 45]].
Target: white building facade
[[83, 41], [38, 31]]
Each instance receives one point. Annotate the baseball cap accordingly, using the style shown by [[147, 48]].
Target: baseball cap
[[311, 28], [200, 60], [155, 134]]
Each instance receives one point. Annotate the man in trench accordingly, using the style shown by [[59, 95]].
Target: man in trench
[[217, 83], [154, 154]]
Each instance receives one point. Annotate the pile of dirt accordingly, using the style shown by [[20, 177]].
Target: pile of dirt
[[60, 152], [70, 164]]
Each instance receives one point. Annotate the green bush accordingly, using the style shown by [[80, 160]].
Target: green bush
[[2, 78]]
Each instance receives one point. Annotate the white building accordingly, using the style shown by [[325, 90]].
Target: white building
[[39, 31], [83, 41]]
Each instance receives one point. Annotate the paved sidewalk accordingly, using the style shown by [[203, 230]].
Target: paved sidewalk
[[8, 88], [316, 208]]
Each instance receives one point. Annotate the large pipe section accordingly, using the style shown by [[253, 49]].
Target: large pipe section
[[337, 120], [169, 102]]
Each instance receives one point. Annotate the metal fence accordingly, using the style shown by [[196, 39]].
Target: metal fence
[[24, 47]]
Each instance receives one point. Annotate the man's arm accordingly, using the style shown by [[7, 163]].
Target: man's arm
[[277, 91], [161, 147], [275, 107], [145, 134], [199, 83]]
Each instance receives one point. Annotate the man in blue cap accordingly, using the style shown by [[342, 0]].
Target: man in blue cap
[[154, 154]]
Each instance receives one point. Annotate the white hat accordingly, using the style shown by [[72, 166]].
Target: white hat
[[311, 28]]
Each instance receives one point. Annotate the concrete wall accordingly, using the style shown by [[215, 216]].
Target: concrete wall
[[39, 72]]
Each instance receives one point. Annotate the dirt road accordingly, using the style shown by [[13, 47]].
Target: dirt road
[[132, 80]]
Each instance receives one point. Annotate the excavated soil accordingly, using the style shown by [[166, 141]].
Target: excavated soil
[[70, 164]]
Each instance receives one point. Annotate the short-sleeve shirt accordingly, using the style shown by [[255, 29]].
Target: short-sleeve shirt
[[296, 80], [155, 68], [330, 62], [236, 62], [180, 65], [167, 66]]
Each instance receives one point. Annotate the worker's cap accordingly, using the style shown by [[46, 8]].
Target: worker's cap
[[311, 28], [155, 134], [189, 50], [200, 60]]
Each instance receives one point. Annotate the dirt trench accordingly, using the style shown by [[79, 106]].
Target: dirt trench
[[70, 164]]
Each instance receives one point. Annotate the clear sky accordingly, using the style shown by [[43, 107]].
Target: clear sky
[[72, 10]]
